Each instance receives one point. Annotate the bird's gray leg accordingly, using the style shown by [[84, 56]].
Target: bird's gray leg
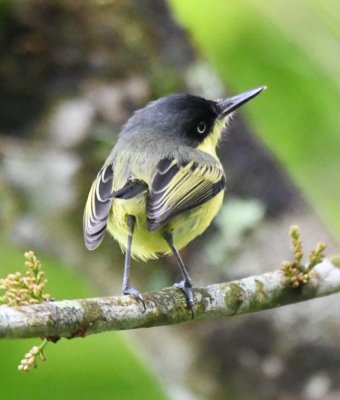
[[185, 285], [127, 288]]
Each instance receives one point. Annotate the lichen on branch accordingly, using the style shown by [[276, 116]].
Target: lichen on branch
[[78, 318]]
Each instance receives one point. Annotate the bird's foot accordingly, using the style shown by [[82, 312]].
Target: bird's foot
[[136, 294], [186, 288]]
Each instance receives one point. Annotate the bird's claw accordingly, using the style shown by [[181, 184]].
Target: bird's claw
[[136, 294], [186, 288]]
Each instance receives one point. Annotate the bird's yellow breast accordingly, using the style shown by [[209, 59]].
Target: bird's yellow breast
[[150, 245]]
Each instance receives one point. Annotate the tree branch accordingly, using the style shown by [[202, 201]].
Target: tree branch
[[73, 318]]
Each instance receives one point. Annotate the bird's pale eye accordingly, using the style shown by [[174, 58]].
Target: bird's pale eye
[[201, 127]]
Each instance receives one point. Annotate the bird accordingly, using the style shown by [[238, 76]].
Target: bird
[[163, 183]]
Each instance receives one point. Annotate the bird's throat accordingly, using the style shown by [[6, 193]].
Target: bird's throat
[[210, 143]]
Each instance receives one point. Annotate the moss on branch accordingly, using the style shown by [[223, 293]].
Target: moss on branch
[[52, 320]]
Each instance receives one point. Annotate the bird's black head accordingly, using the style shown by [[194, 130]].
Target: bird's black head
[[182, 116], [185, 118]]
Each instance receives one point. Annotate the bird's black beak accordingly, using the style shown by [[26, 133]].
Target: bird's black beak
[[226, 106]]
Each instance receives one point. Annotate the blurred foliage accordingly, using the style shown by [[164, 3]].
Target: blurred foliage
[[293, 48], [101, 366], [290, 46], [236, 218]]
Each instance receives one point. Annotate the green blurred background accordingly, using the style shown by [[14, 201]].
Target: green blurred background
[[105, 366], [294, 49]]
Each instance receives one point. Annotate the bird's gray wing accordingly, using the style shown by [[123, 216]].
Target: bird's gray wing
[[97, 208], [99, 203], [177, 187]]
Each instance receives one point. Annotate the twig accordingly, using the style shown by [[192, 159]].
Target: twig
[[74, 318]]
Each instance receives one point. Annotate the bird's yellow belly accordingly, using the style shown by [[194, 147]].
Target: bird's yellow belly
[[147, 245]]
